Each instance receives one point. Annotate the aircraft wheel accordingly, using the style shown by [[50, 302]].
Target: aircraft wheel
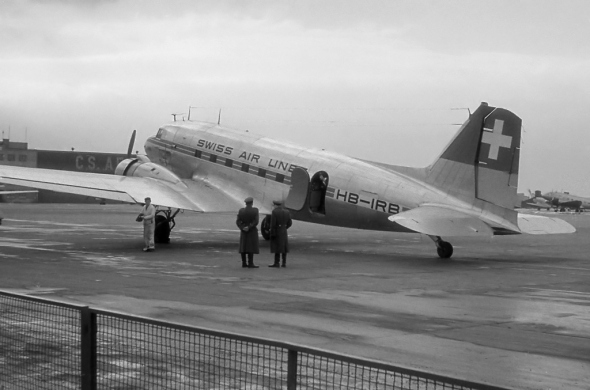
[[444, 250], [162, 232], [265, 228]]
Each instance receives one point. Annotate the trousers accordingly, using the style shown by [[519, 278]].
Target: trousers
[[148, 235]]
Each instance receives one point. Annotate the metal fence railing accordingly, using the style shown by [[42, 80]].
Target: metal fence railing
[[45, 344]]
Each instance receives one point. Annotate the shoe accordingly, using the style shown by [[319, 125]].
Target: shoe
[[275, 265], [145, 249], [284, 265], [151, 249], [244, 265]]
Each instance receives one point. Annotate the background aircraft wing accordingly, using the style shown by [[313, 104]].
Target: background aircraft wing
[[184, 195]]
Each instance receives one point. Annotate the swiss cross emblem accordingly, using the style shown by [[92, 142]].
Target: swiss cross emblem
[[496, 139]]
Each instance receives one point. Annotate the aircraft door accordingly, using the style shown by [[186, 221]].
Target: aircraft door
[[297, 196], [317, 199]]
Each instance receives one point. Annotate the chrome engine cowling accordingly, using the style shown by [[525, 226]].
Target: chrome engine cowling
[[143, 167]]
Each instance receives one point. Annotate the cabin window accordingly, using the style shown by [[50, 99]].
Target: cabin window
[[11, 157]]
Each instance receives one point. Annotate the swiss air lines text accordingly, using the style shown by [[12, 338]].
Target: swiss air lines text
[[371, 203], [246, 156], [215, 147]]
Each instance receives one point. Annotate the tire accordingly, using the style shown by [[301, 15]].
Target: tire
[[445, 250], [162, 232], [265, 228]]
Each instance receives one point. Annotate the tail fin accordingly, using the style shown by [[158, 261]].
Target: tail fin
[[482, 160]]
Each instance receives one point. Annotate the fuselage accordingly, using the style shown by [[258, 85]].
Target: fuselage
[[358, 195]]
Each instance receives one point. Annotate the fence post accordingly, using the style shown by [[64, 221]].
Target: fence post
[[88, 348], [292, 370]]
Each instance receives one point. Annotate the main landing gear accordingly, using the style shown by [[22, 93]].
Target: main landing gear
[[265, 228], [443, 248], [164, 225]]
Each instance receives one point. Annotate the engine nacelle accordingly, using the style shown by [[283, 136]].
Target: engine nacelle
[[141, 167]]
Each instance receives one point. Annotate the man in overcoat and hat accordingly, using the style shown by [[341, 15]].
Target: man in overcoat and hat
[[280, 221], [247, 221]]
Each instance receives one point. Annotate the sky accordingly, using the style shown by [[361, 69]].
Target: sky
[[387, 81]]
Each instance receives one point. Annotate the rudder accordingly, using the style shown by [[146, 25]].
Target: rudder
[[482, 160]]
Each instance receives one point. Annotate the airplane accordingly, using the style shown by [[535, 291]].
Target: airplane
[[534, 202], [563, 201], [4, 191], [469, 190]]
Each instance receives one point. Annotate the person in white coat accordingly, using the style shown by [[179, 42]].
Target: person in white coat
[[148, 212]]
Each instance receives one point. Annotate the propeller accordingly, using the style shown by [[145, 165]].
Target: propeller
[[131, 142]]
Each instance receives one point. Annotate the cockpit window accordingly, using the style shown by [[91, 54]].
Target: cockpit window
[[166, 134]]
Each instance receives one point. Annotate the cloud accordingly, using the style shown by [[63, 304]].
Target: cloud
[[365, 78]]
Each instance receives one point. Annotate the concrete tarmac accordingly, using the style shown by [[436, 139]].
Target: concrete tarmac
[[510, 311]]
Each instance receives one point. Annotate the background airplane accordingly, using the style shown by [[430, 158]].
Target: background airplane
[[535, 202], [469, 190], [563, 201], [4, 192]]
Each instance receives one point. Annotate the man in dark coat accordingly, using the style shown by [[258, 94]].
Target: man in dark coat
[[280, 221], [247, 222]]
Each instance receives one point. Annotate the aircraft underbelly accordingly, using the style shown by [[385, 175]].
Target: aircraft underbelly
[[349, 216]]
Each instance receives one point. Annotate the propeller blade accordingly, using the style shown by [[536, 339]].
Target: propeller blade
[[131, 142]]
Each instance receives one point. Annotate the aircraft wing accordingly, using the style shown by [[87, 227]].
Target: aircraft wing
[[184, 195]]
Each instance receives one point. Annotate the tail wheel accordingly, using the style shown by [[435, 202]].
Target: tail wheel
[[444, 249], [162, 231], [265, 228]]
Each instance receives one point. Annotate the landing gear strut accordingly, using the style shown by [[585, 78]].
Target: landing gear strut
[[443, 248], [265, 228], [164, 224]]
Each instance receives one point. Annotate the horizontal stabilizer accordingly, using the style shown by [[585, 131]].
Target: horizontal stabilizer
[[537, 224], [440, 221]]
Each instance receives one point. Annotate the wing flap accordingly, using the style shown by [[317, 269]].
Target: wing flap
[[537, 224], [439, 221]]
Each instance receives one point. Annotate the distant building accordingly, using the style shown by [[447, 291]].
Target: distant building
[[18, 154]]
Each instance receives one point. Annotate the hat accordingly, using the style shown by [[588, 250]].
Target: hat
[[147, 197], [249, 200], [277, 202]]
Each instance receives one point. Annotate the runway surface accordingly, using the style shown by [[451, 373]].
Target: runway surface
[[510, 311]]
